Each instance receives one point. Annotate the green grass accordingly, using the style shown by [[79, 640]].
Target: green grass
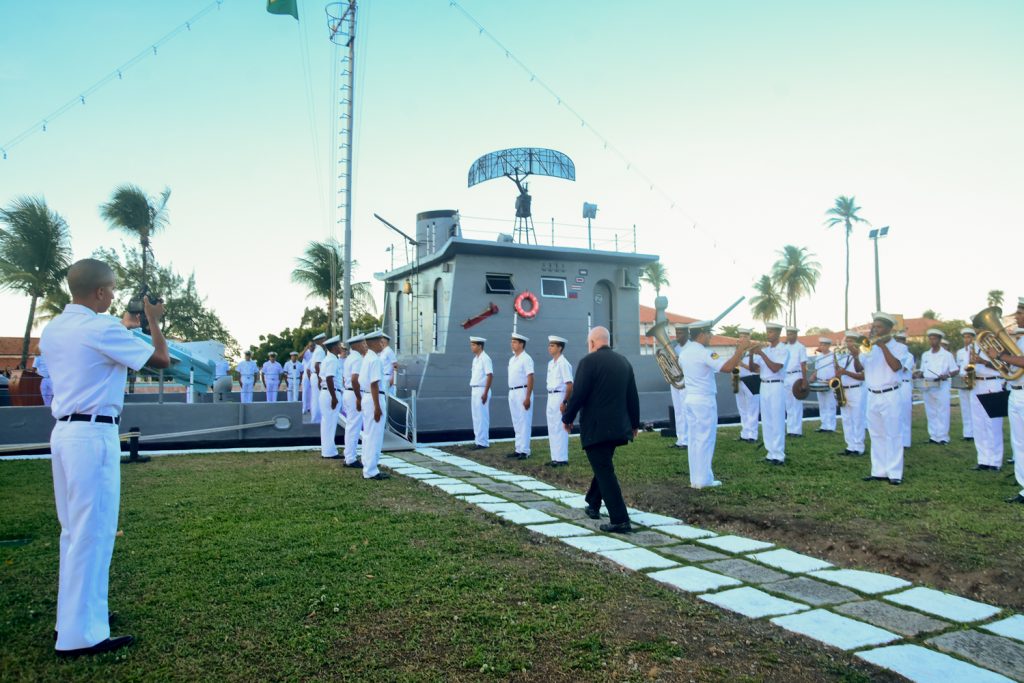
[[246, 567]]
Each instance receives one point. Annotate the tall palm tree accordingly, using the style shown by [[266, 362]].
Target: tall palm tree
[[995, 297], [322, 263], [795, 275], [35, 254], [845, 213], [132, 211], [656, 276], [768, 302], [53, 304]]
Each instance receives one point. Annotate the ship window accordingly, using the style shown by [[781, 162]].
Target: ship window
[[553, 287], [499, 283]]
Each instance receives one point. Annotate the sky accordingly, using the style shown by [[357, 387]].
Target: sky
[[748, 118]]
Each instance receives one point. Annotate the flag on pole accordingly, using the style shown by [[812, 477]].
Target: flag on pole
[[283, 7]]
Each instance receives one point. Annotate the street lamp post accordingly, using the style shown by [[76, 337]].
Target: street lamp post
[[874, 236]]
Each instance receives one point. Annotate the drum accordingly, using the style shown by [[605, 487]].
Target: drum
[[958, 382], [818, 387], [922, 383]]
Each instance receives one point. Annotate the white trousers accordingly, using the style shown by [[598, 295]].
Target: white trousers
[[988, 431], [558, 438], [353, 427], [373, 434], [702, 419], [853, 418], [314, 406], [749, 406], [886, 430], [328, 424], [522, 419], [678, 407], [1016, 417], [86, 464], [794, 407], [827, 409], [46, 390], [247, 385], [906, 393], [306, 402], [293, 389], [481, 412], [936, 408], [272, 387], [773, 419], [966, 421]]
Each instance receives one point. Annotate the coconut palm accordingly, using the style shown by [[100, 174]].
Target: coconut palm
[[995, 297], [656, 276], [768, 302], [53, 304], [795, 275], [320, 265], [35, 254], [845, 213], [132, 211]]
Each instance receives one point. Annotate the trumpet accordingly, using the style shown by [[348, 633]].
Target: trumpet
[[994, 340], [868, 344]]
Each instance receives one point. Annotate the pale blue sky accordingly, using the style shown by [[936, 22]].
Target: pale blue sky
[[753, 115]]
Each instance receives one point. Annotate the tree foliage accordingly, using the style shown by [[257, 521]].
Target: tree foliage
[[322, 264], [656, 275], [768, 302], [796, 275], [844, 212], [995, 297], [132, 211]]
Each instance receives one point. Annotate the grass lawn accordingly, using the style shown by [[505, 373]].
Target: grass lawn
[[247, 567], [947, 526]]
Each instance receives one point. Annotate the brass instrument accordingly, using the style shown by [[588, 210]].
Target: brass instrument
[[666, 358], [969, 372], [836, 383], [994, 340], [869, 343], [735, 380]]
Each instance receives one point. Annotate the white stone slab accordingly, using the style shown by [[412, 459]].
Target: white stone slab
[[560, 530], [478, 498], [684, 531], [921, 665], [556, 494], [458, 488], [482, 469], [500, 507], [594, 544], [430, 452], [638, 558], [443, 481], [409, 469], [424, 476], [512, 477], [460, 462], [865, 582], [693, 579], [1012, 627], [753, 603], [788, 561], [534, 485], [527, 516], [734, 544], [651, 519], [835, 630], [944, 605], [393, 462], [577, 501]]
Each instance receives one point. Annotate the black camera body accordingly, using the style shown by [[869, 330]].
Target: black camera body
[[135, 306]]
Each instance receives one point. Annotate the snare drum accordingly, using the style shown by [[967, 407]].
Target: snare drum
[[818, 387], [922, 383], [958, 382]]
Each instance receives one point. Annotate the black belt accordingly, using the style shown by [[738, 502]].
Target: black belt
[[80, 417], [514, 388], [985, 379], [905, 380], [792, 372], [770, 381], [850, 386], [477, 386], [884, 391], [555, 391], [1016, 388]]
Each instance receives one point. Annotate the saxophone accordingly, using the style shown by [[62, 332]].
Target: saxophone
[[836, 384]]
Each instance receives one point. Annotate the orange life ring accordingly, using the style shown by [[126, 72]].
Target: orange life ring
[[534, 305]]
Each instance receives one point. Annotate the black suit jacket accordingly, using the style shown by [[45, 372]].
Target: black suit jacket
[[604, 393]]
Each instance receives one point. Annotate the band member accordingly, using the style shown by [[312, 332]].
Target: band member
[[480, 379], [937, 367], [907, 365], [770, 364], [352, 403], [963, 359], [679, 395], [796, 367], [559, 384], [1016, 409], [520, 395], [988, 431], [824, 370], [330, 398], [699, 365], [881, 366], [747, 402], [851, 373]]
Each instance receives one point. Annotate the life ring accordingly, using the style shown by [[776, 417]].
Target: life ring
[[534, 305]]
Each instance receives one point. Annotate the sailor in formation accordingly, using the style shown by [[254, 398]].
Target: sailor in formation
[[679, 394], [374, 401], [1016, 408], [247, 376], [699, 364], [46, 384], [353, 405], [988, 431], [314, 377], [481, 377], [559, 385], [388, 365], [825, 371], [271, 376], [796, 368], [882, 365], [330, 397], [222, 380], [748, 404], [770, 364], [293, 375], [520, 395], [851, 374], [963, 359], [937, 367], [907, 365], [307, 361]]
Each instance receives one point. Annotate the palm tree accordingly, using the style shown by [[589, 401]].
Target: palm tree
[[35, 254], [320, 265], [995, 298], [132, 211], [795, 275], [656, 276], [845, 213], [768, 302], [53, 304]]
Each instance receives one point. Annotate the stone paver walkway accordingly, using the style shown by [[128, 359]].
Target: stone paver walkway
[[922, 634]]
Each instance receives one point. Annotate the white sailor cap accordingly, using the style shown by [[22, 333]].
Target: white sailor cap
[[853, 334], [744, 330], [293, 353], [355, 339], [521, 337], [336, 339], [969, 330], [900, 334], [320, 336], [248, 353], [824, 340], [1020, 301], [773, 326], [937, 331], [385, 335], [884, 317], [944, 342], [1018, 331], [700, 326], [478, 340], [376, 334], [790, 328], [555, 338], [273, 353]]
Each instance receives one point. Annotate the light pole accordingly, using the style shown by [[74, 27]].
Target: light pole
[[874, 236]]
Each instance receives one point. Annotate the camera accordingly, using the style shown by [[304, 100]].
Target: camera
[[135, 306]]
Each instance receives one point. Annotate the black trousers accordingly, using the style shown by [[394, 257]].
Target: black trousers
[[605, 486]]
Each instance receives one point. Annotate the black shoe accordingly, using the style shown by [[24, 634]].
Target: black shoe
[[1016, 499], [478, 447], [845, 452], [524, 456], [675, 445], [108, 645], [591, 512], [331, 457], [777, 463], [968, 438], [623, 528], [937, 443], [357, 463], [895, 482], [380, 476], [111, 617], [794, 436], [511, 455], [874, 479], [981, 468]]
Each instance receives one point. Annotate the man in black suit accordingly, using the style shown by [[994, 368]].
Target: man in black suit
[[605, 395]]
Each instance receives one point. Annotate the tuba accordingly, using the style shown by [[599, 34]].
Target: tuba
[[667, 360], [994, 340]]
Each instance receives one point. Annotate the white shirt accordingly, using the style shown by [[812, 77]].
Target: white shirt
[[877, 373], [519, 368], [825, 365], [482, 367], [982, 370], [39, 365], [387, 364], [329, 367], [559, 374], [293, 369], [369, 371], [352, 364], [906, 358], [221, 368], [776, 354], [963, 359], [934, 364], [88, 356], [272, 370], [246, 369], [743, 371], [848, 364], [797, 355], [699, 365]]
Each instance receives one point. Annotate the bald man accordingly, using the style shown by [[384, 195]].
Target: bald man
[[89, 354]]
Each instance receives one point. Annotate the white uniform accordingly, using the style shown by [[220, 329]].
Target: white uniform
[[307, 365], [678, 406], [329, 367], [319, 353], [353, 416], [855, 410], [88, 359], [884, 411], [988, 431], [824, 364], [963, 359], [749, 406], [1016, 418], [480, 409], [699, 365], [293, 371], [46, 385], [794, 371], [387, 369], [272, 379], [373, 431], [247, 377], [906, 392], [519, 368], [559, 374], [936, 398], [773, 401]]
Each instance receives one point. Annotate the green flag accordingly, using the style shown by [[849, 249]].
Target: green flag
[[283, 7]]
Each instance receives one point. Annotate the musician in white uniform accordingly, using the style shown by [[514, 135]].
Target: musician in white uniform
[[314, 377], [796, 368], [352, 402], [1016, 408], [559, 386], [988, 431], [481, 377], [520, 395], [937, 367], [882, 365], [907, 365], [851, 374], [963, 359], [679, 395], [770, 364], [748, 404], [699, 364], [307, 362], [247, 370], [46, 385], [271, 374], [375, 406], [824, 371], [330, 398], [388, 365], [293, 374]]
